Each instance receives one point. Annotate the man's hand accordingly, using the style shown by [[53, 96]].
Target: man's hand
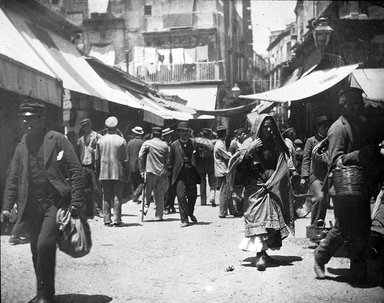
[[303, 181], [256, 144], [4, 216]]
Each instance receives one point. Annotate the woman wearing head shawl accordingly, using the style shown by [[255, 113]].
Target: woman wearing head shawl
[[261, 166]]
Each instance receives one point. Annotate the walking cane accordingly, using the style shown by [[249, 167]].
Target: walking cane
[[144, 196]]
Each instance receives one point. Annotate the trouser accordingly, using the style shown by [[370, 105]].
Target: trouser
[[170, 195], [352, 223], [113, 195], [138, 184], [186, 192], [238, 199], [93, 194], [156, 184], [225, 197], [203, 186], [41, 218], [319, 205]]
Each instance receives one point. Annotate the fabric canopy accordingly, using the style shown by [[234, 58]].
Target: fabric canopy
[[370, 80], [310, 85]]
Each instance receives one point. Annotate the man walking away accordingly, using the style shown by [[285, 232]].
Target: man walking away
[[133, 148], [110, 157], [153, 157]]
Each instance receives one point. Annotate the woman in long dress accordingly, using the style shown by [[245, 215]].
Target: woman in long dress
[[261, 166]]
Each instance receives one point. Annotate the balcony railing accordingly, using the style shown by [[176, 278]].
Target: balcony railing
[[179, 73]]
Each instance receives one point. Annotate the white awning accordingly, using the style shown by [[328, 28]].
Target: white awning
[[22, 70], [199, 97], [370, 80], [310, 85]]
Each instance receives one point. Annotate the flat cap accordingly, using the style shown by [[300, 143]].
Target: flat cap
[[182, 126], [31, 107], [111, 122], [156, 130], [221, 129], [321, 119], [85, 121], [138, 130], [351, 92], [167, 131]]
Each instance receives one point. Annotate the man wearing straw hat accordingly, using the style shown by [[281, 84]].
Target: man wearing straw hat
[[133, 148]]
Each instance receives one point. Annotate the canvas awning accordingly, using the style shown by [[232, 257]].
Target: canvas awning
[[22, 70], [370, 80], [310, 85]]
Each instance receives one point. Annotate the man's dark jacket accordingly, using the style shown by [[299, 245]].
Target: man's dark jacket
[[59, 159]]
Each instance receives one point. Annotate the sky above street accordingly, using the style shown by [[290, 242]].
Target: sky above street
[[267, 16]]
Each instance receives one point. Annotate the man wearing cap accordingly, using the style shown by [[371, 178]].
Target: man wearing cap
[[111, 156], [348, 146], [170, 194], [184, 173], [153, 158], [222, 156], [319, 205], [37, 184], [86, 147], [236, 142], [205, 167], [133, 148]]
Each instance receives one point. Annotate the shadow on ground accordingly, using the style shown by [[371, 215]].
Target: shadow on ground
[[76, 298], [277, 261]]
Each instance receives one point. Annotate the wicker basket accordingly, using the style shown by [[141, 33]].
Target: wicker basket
[[349, 181]]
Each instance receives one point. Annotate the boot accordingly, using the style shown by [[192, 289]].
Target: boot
[[261, 262]]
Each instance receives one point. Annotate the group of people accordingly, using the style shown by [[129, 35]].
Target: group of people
[[252, 174]]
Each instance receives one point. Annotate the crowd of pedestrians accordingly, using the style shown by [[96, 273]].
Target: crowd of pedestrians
[[252, 175]]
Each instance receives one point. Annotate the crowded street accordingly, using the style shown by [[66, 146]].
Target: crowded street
[[160, 262]]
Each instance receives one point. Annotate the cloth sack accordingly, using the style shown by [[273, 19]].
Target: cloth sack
[[75, 234]]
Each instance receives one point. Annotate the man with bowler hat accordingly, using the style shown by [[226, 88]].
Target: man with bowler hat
[[170, 194], [348, 147], [315, 182], [133, 148], [111, 155], [86, 147], [184, 173], [153, 158], [37, 184]]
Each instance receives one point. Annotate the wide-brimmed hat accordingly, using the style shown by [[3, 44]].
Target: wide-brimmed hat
[[167, 131], [182, 126], [351, 92], [138, 130], [221, 129], [111, 122], [31, 107], [156, 130]]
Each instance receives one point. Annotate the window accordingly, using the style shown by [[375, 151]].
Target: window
[[147, 10]]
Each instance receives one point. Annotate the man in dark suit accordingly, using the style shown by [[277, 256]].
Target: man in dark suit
[[184, 173], [348, 146], [36, 182]]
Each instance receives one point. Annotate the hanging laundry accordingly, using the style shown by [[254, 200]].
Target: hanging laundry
[[97, 6], [189, 55], [202, 53], [105, 54], [177, 55], [150, 59], [164, 53]]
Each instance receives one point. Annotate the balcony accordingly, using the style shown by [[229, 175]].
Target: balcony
[[182, 73], [198, 20]]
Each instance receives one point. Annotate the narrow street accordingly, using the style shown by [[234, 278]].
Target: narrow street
[[161, 262]]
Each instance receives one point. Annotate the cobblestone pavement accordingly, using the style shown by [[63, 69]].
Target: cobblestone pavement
[[161, 262]]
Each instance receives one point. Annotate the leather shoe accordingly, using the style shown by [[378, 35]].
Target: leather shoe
[[261, 262], [193, 218], [184, 224], [319, 270], [222, 216], [45, 300], [213, 204]]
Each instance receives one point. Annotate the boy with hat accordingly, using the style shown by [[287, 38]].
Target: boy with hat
[[111, 156], [315, 183], [133, 148], [37, 184], [86, 147], [153, 157], [184, 173]]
